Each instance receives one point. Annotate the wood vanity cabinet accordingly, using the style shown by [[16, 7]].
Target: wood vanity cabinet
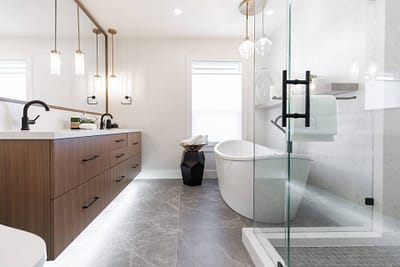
[[55, 188]]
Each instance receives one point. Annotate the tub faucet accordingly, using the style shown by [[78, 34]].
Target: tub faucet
[[102, 120], [275, 123], [25, 119]]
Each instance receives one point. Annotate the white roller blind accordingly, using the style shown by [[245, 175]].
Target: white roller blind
[[13, 80], [217, 99]]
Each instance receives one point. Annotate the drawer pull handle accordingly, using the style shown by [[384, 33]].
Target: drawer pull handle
[[91, 158], [120, 178], [119, 140], [135, 143], [135, 166], [120, 155], [90, 203]]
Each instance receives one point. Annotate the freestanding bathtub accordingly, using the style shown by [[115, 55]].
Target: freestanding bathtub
[[235, 161]]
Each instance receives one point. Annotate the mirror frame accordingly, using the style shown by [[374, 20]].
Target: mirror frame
[[94, 21]]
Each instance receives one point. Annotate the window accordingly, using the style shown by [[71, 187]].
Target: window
[[217, 99], [13, 80]]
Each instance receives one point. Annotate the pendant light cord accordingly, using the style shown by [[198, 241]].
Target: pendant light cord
[[55, 25], [79, 29], [262, 20], [113, 53], [97, 54], [247, 20]]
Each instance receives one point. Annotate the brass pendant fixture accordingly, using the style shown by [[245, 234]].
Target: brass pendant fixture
[[91, 100], [113, 32]]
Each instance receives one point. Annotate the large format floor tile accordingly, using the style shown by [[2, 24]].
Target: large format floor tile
[[162, 223]]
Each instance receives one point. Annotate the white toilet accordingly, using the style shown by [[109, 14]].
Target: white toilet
[[21, 249]]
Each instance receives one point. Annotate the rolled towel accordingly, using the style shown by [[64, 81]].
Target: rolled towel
[[204, 140], [192, 141]]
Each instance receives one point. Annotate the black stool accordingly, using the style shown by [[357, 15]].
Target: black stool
[[192, 167]]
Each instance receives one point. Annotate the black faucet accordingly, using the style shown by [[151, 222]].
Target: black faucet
[[25, 119], [102, 120]]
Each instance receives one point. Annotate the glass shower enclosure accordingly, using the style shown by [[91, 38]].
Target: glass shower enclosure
[[326, 159]]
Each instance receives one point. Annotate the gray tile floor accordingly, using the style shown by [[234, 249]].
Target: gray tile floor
[[343, 256], [162, 223]]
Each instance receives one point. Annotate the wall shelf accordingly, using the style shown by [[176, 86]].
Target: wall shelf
[[270, 105]]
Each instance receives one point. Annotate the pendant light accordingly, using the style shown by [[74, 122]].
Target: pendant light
[[263, 45], [55, 61], [247, 46], [79, 55], [113, 77], [96, 76]]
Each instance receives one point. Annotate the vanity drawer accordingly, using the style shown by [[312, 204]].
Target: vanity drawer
[[117, 141], [119, 178], [134, 143], [134, 166], [119, 155], [75, 161], [73, 211]]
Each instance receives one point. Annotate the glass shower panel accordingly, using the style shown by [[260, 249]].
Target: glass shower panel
[[270, 164], [346, 207], [329, 38]]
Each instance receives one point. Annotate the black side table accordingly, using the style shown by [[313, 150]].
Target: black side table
[[192, 167]]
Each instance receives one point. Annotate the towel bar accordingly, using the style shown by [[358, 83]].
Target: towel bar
[[337, 97]]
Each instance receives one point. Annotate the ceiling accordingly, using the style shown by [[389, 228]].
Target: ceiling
[[153, 19], [21, 18], [156, 19]]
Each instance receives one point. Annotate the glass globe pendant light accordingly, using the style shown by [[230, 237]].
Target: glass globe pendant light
[[246, 47], [55, 61], [263, 45]]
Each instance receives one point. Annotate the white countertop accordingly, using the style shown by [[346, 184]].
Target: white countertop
[[58, 134]]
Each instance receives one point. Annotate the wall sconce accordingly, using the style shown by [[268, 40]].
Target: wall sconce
[[127, 100], [91, 100], [126, 95]]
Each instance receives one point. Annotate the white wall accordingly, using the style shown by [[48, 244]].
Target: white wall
[[67, 89], [157, 72], [10, 117]]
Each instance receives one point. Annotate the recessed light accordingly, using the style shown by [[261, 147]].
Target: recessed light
[[178, 11]]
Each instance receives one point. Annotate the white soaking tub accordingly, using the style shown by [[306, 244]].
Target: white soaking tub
[[235, 161]]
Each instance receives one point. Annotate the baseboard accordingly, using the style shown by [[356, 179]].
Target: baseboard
[[210, 174], [171, 174]]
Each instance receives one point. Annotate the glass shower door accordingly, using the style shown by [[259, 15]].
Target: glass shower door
[[270, 144], [329, 129], [315, 187]]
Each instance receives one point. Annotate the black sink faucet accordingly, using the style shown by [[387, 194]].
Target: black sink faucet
[[25, 119], [102, 120]]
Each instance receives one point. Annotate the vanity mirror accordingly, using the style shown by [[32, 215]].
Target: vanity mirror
[[53, 51]]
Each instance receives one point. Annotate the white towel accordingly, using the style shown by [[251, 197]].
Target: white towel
[[193, 140], [323, 121]]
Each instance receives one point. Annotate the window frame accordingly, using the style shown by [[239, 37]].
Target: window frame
[[244, 96], [28, 61]]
